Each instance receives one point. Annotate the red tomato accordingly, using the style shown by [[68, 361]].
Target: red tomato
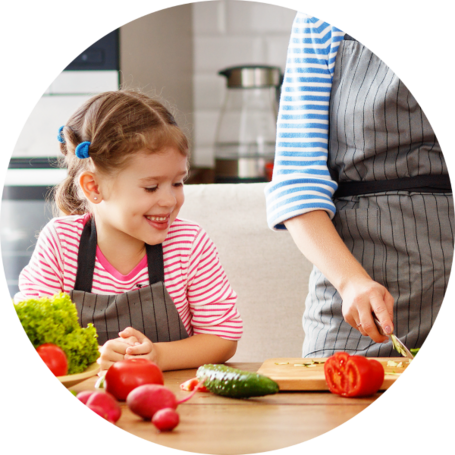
[[54, 358], [353, 375], [124, 376]]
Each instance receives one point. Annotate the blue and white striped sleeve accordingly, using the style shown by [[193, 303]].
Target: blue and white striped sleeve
[[301, 180]]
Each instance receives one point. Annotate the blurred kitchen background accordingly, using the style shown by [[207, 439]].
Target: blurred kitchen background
[[176, 55]]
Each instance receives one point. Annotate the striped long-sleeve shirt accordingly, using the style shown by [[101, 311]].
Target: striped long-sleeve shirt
[[301, 180], [193, 274]]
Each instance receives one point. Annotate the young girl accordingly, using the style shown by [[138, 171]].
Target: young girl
[[151, 283]]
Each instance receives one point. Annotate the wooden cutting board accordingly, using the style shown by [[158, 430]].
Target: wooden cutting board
[[290, 375]]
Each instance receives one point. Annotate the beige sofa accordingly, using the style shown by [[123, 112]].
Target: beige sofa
[[264, 267]]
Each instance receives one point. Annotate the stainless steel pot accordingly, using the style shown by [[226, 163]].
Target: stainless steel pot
[[246, 130]]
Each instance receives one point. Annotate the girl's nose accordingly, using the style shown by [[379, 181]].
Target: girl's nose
[[168, 198]]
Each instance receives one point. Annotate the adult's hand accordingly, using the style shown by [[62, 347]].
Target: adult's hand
[[361, 298], [317, 238]]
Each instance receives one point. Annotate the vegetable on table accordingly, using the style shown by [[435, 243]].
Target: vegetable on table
[[353, 375], [312, 363], [125, 375], [191, 384], [54, 320], [109, 406], [54, 358], [148, 399], [414, 351], [166, 419], [100, 381], [231, 382], [84, 395], [98, 410], [104, 404]]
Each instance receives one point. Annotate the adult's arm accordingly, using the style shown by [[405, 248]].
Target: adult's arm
[[317, 238], [299, 197]]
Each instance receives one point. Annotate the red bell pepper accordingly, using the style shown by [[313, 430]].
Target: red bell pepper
[[191, 384], [353, 375]]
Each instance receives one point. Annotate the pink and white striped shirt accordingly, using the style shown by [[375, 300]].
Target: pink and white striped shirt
[[193, 274]]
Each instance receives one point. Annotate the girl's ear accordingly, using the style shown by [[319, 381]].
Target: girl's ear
[[90, 187]]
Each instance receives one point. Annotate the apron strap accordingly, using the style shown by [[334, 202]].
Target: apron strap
[[349, 38], [87, 255], [420, 183], [155, 263]]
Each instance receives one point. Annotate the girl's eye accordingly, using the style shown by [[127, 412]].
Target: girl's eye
[[152, 189]]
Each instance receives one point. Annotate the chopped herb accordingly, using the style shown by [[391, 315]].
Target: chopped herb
[[414, 351]]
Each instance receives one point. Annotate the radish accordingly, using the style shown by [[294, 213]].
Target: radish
[[84, 396], [166, 419], [147, 399], [104, 400], [98, 410]]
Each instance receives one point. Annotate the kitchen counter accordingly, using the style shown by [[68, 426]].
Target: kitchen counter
[[217, 425]]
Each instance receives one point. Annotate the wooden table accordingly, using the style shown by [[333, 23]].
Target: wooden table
[[217, 425]]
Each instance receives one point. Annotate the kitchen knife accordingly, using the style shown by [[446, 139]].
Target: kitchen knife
[[396, 342]]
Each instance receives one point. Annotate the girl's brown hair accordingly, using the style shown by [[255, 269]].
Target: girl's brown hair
[[117, 125]]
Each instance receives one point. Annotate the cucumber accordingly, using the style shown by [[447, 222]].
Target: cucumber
[[230, 382]]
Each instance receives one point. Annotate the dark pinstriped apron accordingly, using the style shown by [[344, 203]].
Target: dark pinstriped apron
[[149, 309], [394, 205]]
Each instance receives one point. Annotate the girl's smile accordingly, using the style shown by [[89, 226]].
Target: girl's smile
[[159, 222]]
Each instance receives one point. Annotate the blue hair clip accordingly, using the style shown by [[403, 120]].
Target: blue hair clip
[[60, 138], [82, 150]]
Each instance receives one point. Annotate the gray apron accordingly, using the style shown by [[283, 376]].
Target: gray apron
[[149, 309], [394, 206]]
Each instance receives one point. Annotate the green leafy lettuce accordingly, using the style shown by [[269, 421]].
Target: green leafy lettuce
[[54, 320]]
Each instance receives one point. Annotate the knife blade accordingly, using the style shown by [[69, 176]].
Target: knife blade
[[398, 345]]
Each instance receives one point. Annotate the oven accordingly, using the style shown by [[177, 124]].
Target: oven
[[25, 211], [33, 170]]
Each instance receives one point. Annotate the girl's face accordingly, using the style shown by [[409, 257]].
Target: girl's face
[[143, 199]]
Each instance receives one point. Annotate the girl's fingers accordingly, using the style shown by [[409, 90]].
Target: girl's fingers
[[109, 357], [140, 349], [115, 346], [130, 332], [132, 341], [142, 346], [137, 357]]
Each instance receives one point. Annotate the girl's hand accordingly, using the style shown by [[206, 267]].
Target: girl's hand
[[114, 350], [363, 297], [143, 348]]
